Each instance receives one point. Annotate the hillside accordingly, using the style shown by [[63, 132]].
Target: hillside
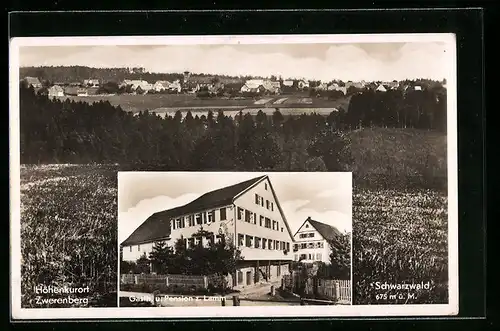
[[387, 157]]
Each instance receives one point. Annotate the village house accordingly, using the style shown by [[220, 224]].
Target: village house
[[91, 82], [33, 82], [381, 88], [76, 91], [288, 83], [312, 241], [135, 84], [302, 84], [161, 85], [254, 85], [55, 91], [247, 214]]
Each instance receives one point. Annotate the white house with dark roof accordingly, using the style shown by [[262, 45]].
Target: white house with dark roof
[[33, 81], [247, 213], [312, 241]]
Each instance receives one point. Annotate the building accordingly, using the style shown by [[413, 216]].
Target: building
[[33, 81], [288, 83], [135, 84], [91, 82], [55, 91], [381, 88], [161, 85], [312, 241], [248, 214], [302, 84]]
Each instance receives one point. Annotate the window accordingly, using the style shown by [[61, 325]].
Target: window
[[264, 243], [307, 226], [277, 245], [240, 213], [198, 219], [311, 256], [254, 218], [303, 245], [278, 272], [241, 239], [269, 244], [257, 200], [310, 245], [321, 245], [295, 247], [248, 241], [311, 234], [247, 216], [204, 215], [211, 216], [268, 223], [257, 242], [191, 220], [281, 229], [272, 206], [265, 185], [288, 246], [178, 223], [138, 248], [318, 256], [303, 256], [223, 214], [296, 257], [172, 222], [261, 220], [262, 202], [131, 248], [267, 204]]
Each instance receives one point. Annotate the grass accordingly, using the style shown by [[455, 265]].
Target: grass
[[400, 237], [68, 230]]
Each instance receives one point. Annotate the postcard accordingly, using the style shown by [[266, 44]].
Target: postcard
[[178, 177]]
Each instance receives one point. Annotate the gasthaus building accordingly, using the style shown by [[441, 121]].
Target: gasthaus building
[[248, 213]]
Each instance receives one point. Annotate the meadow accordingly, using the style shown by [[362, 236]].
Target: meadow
[[68, 231], [156, 102]]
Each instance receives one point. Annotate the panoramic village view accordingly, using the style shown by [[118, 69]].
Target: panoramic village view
[[377, 111]]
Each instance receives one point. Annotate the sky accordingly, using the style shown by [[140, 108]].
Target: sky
[[324, 196], [321, 61]]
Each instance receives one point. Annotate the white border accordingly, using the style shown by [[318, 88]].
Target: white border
[[18, 313]]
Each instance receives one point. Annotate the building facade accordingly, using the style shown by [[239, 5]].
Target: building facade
[[247, 214], [312, 241]]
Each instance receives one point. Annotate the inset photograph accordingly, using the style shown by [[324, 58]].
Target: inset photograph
[[234, 238]]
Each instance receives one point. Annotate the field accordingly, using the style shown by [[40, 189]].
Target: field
[[171, 102], [68, 231], [400, 237]]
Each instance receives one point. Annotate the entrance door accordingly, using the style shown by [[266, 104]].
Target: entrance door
[[249, 278]]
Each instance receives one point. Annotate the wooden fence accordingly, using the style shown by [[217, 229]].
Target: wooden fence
[[196, 281], [332, 289]]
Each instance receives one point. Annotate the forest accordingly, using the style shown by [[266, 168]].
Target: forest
[[54, 131]]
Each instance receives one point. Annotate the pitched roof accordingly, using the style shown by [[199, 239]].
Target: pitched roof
[[158, 225], [326, 231], [32, 80]]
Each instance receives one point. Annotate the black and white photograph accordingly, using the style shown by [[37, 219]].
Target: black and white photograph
[[239, 238], [253, 170]]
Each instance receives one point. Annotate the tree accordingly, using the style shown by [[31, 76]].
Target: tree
[[161, 257], [340, 257], [333, 147], [143, 264]]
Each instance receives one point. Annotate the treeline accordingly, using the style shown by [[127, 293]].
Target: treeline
[[67, 75], [425, 109]]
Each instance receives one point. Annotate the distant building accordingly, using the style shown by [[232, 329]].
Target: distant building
[[302, 84], [161, 85], [417, 88], [288, 83], [55, 91], [91, 82], [312, 241], [32, 81], [136, 83], [381, 88]]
